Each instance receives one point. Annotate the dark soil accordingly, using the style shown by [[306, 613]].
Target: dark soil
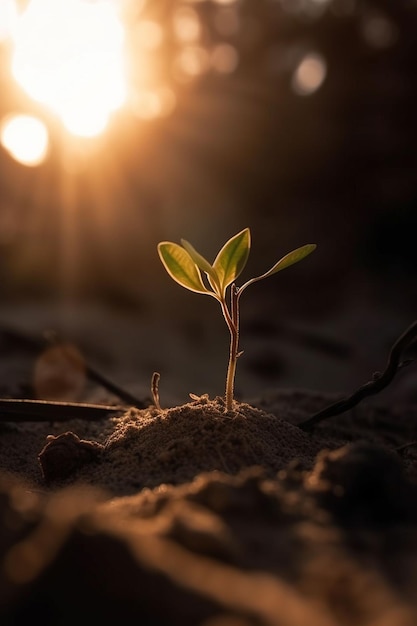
[[189, 516]]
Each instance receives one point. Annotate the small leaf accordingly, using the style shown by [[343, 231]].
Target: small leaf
[[286, 261], [181, 267], [290, 259], [203, 264], [232, 258]]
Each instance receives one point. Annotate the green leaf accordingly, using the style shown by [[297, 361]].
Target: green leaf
[[232, 258], [291, 258], [203, 264], [286, 261], [181, 267]]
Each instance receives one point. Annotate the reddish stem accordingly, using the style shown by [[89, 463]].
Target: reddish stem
[[232, 321]]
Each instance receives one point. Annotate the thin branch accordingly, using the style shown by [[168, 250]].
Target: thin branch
[[96, 376], [405, 446], [374, 386], [112, 387], [51, 338], [51, 411]]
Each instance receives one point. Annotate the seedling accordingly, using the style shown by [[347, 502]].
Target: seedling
[[185, 265]]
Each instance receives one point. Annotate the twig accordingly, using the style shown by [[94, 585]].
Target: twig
[[92, 374], [51, 411], [111, 386], [405, 446], [377, 384], [155, 389], [51, 338]]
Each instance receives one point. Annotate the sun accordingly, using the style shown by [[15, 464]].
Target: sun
[[69, 56]]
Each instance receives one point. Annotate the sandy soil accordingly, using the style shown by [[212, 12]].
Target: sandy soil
[[188, 516]]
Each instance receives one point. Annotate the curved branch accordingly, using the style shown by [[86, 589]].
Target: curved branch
[[377, 384]]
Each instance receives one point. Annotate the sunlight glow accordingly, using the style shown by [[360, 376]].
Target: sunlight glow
[[68, 55], [8, 15], [25, 138]]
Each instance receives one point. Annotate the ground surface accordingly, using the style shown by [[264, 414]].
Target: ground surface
[[188, 516]]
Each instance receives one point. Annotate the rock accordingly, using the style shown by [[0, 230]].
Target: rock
[[64, 454]]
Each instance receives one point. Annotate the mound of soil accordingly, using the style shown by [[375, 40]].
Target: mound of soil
[[190, 516]]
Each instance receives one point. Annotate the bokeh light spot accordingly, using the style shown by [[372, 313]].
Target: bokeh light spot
[[191, 62], [25, 138], [309, 75], [187, 26], [224, 58], [227, 21], [225, 2], [147, 105], [378, 31], [149, 34]]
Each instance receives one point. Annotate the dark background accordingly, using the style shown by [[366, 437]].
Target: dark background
[[78, 234]]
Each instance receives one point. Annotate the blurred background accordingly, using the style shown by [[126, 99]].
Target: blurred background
[[125, 123]]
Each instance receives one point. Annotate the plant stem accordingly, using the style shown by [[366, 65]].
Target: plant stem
[[232, 321]]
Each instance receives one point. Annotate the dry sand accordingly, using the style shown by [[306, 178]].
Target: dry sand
[[188, 516]]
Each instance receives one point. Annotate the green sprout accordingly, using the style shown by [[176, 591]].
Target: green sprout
[[185, 265]]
